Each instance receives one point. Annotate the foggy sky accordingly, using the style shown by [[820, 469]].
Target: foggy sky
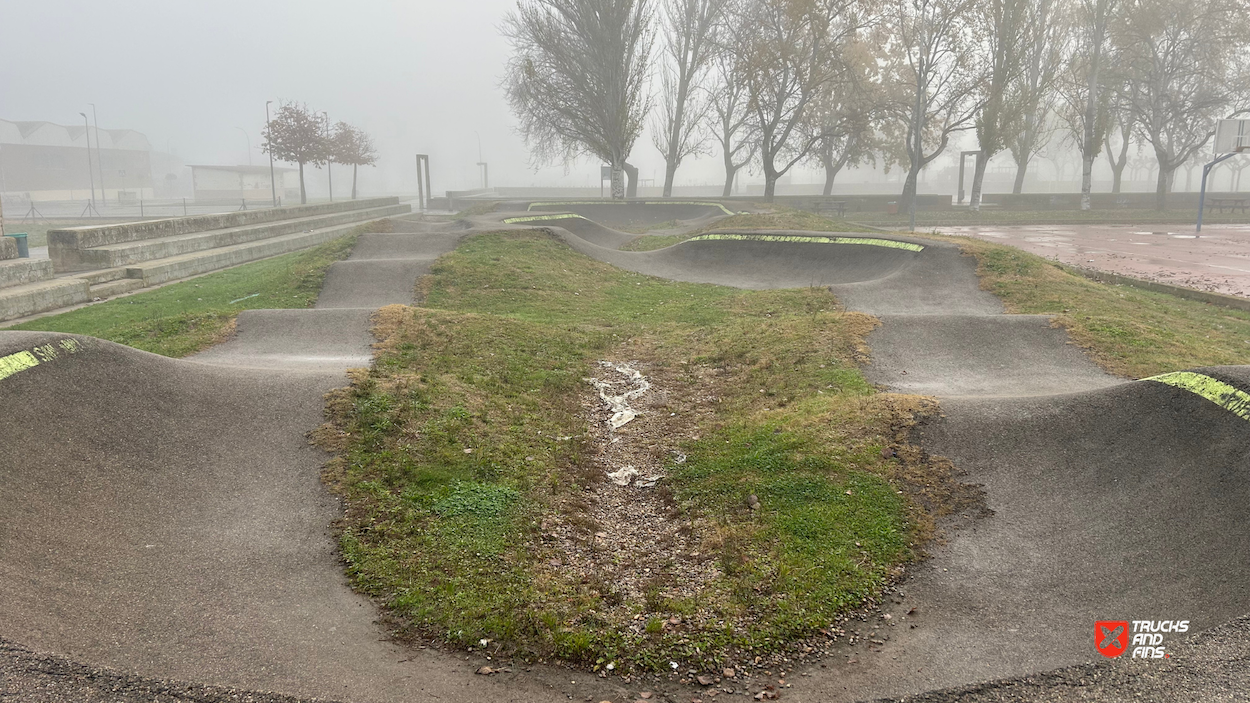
[[418, 75]]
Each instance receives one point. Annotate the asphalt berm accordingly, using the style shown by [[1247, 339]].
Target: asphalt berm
[[164, 522]]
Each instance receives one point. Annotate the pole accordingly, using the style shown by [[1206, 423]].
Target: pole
[[1206, 171], [329, 158], [273, 183], [420, 184], [90, 166], [963, 155], [99, 156], [248, 137]]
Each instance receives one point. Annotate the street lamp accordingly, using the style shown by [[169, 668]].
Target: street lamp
[[273, 184], [329, 158], [248, 137], [99, 156], [90, 165]]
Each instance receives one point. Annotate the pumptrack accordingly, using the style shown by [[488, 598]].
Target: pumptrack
[[165, 518]]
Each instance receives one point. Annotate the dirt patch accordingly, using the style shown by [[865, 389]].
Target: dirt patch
[[623, 530]]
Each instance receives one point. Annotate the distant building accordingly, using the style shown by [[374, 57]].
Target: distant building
[[240, 182], [43, 161]]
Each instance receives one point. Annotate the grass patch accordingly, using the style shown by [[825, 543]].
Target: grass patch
[[474, 481], [781, 219], [476, 210], [187, 317], [1130, 332]]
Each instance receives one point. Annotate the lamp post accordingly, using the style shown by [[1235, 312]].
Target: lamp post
[[248, 137], [90, 165], [99, 155], [273, 184], [329, 156]]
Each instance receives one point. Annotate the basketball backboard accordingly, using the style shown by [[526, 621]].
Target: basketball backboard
[[1232, 136]]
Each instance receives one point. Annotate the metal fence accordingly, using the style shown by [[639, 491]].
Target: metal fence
[[19, 211]]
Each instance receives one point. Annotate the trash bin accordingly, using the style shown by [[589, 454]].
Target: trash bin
[[891, 208], [23, 252]]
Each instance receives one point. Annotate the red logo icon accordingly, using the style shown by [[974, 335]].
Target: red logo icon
[[1111, 637]]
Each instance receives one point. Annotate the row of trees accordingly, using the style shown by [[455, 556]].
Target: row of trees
[[839, 83], [298, 135]]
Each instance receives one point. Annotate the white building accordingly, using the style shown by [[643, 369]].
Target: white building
[[242, 183], [42, 161]]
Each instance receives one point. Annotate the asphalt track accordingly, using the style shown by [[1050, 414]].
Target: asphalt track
[[1107, 499], [165, 518]]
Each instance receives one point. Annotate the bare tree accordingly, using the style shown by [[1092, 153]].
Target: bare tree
[[936, 74], [845, 119], [577, 80], [1007, 25], [296, 135], [732, 126], [1045, 50], [1122, 119], [351, 146], [789, 50], [1182, 56], [1085, 108], [688, 28]]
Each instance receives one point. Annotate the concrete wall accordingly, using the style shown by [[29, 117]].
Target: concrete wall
[[862, 203], [87, 237], [8, 248], [1099, 201]]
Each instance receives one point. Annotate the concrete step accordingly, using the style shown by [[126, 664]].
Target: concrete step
[[126, 254], [17, 272], [95, 278], [32, 298], [153, 273], [115, 288]]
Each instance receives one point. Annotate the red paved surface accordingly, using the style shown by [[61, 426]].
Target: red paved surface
[[1217, 260]]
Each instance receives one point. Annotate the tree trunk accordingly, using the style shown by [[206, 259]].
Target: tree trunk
[[770, 181], [1161, 189], [908, 198], [831, 170], [618, 183], [303, 196], [631, 191], [670, 172], [730, 173], [978, 177], [1087, 179], [354, 167], [1021, 168]]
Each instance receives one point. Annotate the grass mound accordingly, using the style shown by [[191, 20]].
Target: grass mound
[[187, 317], [1131, 332], [474, 457]]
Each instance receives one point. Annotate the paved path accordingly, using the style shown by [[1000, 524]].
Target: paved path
[[1216, 260]]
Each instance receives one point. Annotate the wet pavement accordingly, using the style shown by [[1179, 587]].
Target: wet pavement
[[1215, 260]]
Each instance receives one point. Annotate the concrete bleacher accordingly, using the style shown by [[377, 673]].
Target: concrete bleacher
[[86, 263]]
